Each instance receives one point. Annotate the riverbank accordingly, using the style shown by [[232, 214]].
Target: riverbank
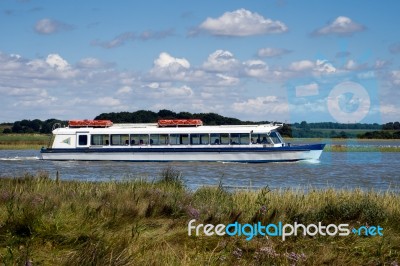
[[23, 141], [46, 221]]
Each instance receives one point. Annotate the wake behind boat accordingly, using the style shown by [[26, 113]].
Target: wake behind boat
[[174, 140]]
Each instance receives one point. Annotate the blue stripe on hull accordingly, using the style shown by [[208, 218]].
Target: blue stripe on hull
[[310, 147]]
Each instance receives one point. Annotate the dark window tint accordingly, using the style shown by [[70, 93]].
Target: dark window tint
[[82, 140]]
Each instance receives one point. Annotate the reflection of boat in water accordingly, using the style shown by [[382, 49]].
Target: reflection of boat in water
[[174, 140]]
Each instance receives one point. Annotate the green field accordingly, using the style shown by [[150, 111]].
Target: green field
[[53, 222], [23, 141]]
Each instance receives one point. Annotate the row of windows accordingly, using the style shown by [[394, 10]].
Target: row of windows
[[181, 139]]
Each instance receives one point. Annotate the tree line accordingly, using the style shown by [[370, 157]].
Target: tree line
[[298, 130]]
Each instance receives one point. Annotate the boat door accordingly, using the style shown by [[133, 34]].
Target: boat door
[[82, 139]]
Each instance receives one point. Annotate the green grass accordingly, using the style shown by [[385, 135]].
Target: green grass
[[52, 222], [345, 148], [23, 141]]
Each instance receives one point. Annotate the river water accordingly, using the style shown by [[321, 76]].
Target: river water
[[365, 170]]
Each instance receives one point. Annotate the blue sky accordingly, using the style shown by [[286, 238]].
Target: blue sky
[[255, 60]]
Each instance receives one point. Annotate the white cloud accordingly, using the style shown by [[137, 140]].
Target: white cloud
[[307, 90], [390, 109], [48, 26], [106, 101], [241, 23], [317, 67], [323, 66], [165, 60], [266, 105], [92, 63], [224, 80], [272, 52], [302, 65], [340, 26], [395, 77], [221, 61], [167, 68], [57, 62], [183, 91], [256, 68], [124, 90], [220, 85]]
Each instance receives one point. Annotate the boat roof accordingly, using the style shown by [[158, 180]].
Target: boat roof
[[154, 128]]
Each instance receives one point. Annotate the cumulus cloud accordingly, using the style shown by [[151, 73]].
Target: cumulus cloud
[[272, 52], [167, 67], [340, 26], [316, 67], [241, 23], [177, 92], [221, 61], [166, 60], [256, 68], [323, 66], [57, 62], [307, 90], [271, 105], [124, 90], [92, 63], [302, 65], [48, 26], [224, 80]]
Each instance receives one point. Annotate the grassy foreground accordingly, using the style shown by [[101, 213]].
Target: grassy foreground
[[52, 222]]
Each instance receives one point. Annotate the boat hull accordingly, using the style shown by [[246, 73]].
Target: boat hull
[[157, 154]]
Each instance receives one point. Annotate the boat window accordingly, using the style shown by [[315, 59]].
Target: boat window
[[244, 138], [120, 139], [159, 139], [100, 139], [214, 139], [82, 140], [276, 138], [224, 138], [262, 138], [199, 139], [240, 138], [235, 138], [139, 139], [177, 139], [219, 138]]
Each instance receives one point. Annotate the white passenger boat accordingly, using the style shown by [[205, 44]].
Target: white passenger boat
[[174, 140]]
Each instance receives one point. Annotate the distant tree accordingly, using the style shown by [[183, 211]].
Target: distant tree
[[166, 114], [17, 127], [304, 125], [7, 131], [184, 115], [285, 130]]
